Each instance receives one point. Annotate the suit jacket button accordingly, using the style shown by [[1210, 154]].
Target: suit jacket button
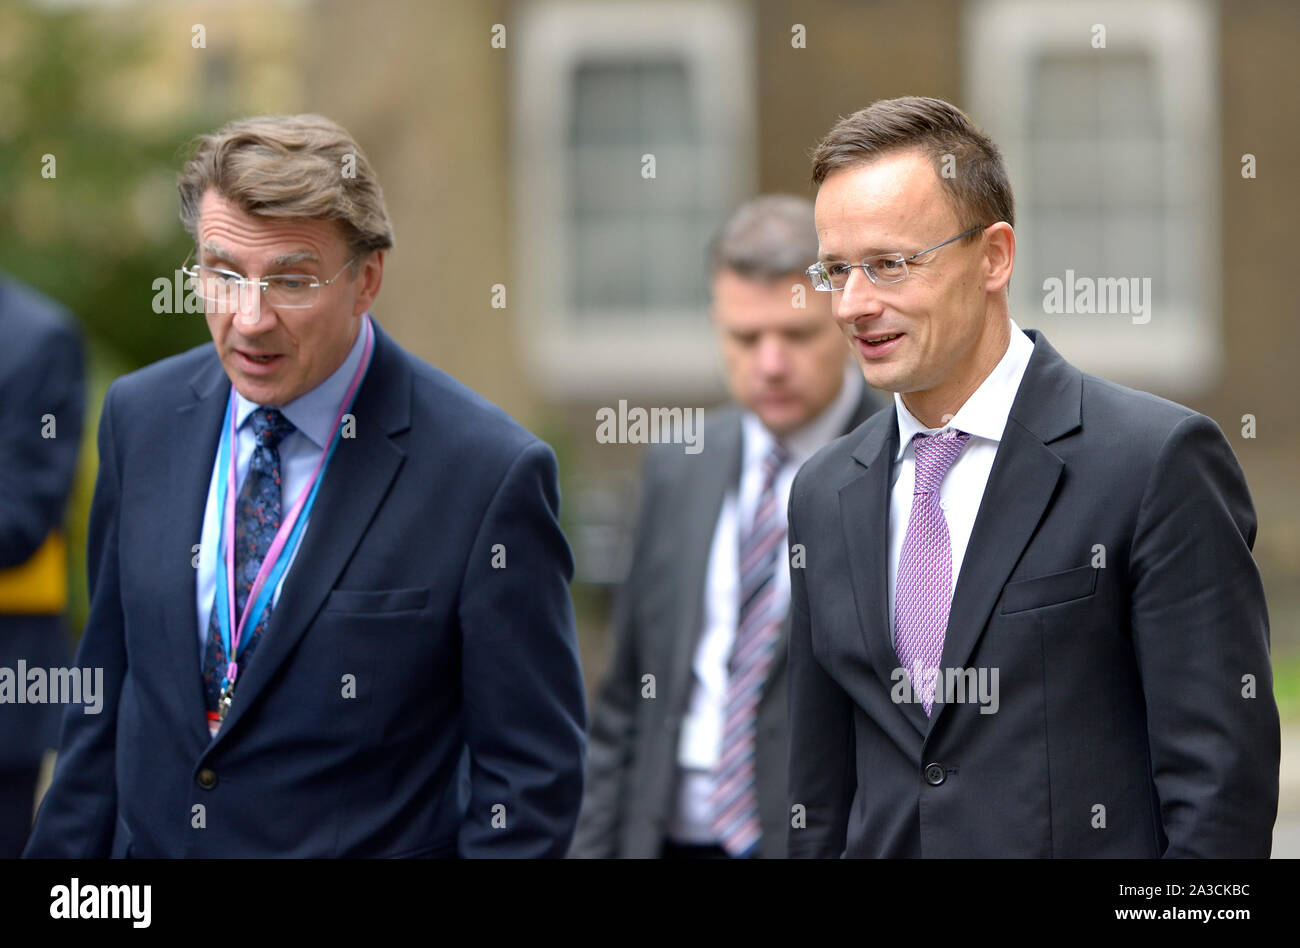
[[207, 778], [934, 774]]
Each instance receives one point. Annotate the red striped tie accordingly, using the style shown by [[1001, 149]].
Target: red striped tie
[[734, 797]]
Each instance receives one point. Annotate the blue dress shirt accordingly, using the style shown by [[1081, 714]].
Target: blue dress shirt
[[312, 414]]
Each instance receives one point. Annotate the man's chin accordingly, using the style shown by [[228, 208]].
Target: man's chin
[[884, 378], [782, 419], [260, 391]]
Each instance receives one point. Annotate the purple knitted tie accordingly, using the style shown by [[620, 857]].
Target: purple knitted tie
[[923, 593]]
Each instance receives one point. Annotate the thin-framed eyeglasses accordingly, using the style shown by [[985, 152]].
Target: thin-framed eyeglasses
[[228, 290], [829, 276]]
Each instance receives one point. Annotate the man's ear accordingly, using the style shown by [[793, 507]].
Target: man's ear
[[371, 278], [999, 256]]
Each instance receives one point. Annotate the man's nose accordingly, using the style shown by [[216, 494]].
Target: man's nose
[[249, 315], [860, 297], [773, 355]]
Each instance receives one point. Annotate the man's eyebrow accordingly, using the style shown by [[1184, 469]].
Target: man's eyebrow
[[283, 260], [298, 256], [867, 252], [220, 253]]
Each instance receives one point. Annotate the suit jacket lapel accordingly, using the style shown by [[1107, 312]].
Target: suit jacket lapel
[[192, 440], [864, 409], [864, 512], [1020, 487], [719, 470], [355, 484]]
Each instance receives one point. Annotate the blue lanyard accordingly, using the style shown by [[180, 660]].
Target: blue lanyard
[[281, 563]]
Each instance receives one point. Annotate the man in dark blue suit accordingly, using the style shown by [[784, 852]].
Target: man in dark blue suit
[[41, 406], [329, 586]]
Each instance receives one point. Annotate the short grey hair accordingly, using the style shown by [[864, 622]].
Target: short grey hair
[[771, 236]]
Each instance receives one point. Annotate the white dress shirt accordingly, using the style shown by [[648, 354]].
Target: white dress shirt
[[701, 732], [983, 417], [312, 415]]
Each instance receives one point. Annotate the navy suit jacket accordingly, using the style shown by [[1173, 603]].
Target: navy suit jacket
[[40, 373], [433, 572]]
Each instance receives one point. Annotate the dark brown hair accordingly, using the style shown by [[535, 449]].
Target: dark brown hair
[[977, 187]]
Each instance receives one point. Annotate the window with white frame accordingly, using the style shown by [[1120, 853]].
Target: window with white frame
[[1106, 113], [632, 139]]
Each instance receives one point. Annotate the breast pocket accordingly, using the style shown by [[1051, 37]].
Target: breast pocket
[[1050, 590], [359, 602]]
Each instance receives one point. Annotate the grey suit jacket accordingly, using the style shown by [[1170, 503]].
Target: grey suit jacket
[[1135, 713], [658, 618]]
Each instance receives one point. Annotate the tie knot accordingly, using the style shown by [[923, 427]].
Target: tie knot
[[934, 455], [774, 460], [270, 427]]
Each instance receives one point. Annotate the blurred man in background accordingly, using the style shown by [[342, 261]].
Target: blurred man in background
[[42, 400], [329, 590], [696, 768]]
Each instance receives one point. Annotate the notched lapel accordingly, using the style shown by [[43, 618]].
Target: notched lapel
[[1020, 488], [865, 407], [192, 440], [864, 514]]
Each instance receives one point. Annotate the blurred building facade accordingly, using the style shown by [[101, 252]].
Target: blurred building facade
[[555, 168]]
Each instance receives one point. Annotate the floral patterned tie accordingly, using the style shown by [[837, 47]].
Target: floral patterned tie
[[257, 519]]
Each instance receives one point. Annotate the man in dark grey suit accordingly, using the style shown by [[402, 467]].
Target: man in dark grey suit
[[1029, 622], [688, 744]]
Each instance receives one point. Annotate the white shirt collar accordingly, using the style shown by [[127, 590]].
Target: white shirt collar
[[985, 413], [813, 435], [313, 412]]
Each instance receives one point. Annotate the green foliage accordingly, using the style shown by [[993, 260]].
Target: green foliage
[[89, 236], [97, 234], [1286, 685]]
